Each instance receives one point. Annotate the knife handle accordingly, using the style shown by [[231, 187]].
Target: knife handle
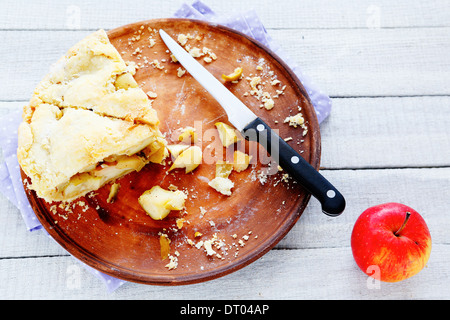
[[332, 201]]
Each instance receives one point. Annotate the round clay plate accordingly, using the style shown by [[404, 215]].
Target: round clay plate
[[121, 240]]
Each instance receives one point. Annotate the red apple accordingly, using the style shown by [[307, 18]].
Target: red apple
[[393, 239]]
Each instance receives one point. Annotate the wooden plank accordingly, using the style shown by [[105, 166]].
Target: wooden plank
[[387, 132], [378, 132], [304, 274], [67, 14], [425, 190], [372, 62], [344, 63], [323, 273]]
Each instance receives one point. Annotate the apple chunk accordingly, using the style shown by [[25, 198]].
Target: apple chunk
[[125, 81], [236, 75], [188, 135], [228, 135], [176, 149], [241, 161], [189, 159], [158, 202]]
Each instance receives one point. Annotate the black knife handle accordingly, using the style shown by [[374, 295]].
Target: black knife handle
[[332, 201]]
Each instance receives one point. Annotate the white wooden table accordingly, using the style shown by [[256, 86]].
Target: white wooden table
[[386, 64]]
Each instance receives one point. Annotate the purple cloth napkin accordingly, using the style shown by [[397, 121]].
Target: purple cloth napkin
[[247, 23]]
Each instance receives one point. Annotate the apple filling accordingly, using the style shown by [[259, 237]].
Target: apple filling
[[103, 173]]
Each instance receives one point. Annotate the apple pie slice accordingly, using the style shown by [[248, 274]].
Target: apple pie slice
[[87, 123]]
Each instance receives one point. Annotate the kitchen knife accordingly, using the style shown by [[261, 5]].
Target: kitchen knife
[[255, 129]]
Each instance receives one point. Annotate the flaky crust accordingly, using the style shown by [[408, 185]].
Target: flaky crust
[[86, 123]]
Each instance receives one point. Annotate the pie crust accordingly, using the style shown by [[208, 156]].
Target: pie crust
[[87, 123]]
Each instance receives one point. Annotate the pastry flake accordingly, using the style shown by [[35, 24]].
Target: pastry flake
[[222, 185]]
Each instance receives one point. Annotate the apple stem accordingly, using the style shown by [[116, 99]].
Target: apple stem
[[397, 233]]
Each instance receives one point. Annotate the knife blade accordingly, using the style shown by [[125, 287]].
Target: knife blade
[[255, 129]]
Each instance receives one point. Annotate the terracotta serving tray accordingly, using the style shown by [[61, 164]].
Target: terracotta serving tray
[[121, 240]]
